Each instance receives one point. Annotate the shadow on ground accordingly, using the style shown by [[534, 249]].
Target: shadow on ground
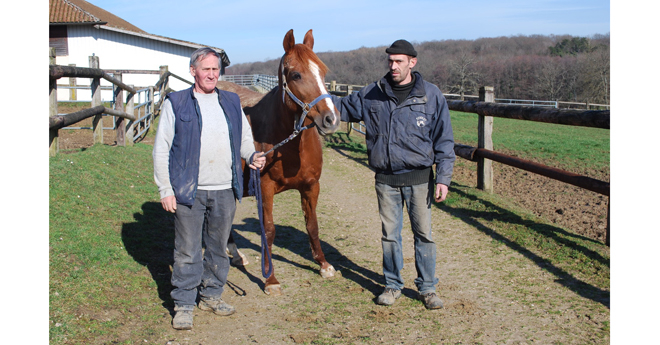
[[150, 241], [558, 235], [297, 242]]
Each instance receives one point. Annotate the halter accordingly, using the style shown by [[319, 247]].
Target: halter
[[306, 107]]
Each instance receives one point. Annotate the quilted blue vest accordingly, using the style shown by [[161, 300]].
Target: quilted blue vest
[[185, 151]]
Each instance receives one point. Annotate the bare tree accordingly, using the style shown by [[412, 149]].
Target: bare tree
[[463, 76], [551, 79]]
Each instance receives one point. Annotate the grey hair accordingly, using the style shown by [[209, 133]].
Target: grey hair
[[201, 53]]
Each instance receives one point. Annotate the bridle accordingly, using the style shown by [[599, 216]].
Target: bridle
[[306, 107]]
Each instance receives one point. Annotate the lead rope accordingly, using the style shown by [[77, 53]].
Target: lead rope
[[255, 189]]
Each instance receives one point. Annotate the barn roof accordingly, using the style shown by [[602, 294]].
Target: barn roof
[[81, 12]]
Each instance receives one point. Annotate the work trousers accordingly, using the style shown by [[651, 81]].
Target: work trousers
[[417, 199], [209, 220]]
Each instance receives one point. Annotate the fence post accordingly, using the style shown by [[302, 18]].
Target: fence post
[[53, 137], [152, 103], [485, 166], [165, 85], [119, 105], [73, 92], [130, 109], [607, 233], [333, 85], [97, 122]]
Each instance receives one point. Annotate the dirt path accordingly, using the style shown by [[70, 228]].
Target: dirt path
[[492, 293]]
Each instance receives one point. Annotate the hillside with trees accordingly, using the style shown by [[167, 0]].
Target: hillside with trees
[[564, 68]]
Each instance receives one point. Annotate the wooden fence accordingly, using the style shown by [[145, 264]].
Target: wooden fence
[[486, 108], [345, 89], [125, 111]]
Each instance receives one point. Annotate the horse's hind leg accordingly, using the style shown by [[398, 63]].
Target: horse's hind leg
[[237, 258], [309, 199]]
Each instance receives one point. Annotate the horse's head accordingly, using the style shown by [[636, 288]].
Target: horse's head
[[302, 83]]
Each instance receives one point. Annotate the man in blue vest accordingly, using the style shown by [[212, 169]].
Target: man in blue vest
[[202, 136]]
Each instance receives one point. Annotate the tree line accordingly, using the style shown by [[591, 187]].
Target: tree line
[[554, 67]]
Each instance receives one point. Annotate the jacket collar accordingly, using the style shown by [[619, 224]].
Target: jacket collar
[[417, 91]]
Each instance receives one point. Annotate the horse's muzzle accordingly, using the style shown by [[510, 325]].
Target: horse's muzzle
[[329, 122]]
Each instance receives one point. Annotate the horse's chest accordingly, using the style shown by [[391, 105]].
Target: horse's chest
[[294, 169]]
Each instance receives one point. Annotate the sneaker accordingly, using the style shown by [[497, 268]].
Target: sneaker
[[217, 306], [183, 319], [431, 300], [388, 296]]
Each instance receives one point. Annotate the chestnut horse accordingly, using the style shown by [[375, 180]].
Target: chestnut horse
[[301, 99]]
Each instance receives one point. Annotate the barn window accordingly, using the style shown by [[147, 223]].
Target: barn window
[[58, 40]]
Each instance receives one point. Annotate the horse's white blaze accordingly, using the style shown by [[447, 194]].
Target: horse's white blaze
[[328, 101]]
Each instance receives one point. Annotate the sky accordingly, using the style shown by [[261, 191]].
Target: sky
[[253, 30]]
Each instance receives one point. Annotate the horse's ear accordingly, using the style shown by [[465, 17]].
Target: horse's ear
[[309, 39], [289, 41]]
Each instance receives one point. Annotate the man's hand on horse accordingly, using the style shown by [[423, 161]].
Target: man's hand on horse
[[258, 161]]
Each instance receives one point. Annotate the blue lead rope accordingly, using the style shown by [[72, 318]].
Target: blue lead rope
[[254, 188]]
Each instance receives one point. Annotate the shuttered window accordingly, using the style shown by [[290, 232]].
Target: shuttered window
[[58, 40]]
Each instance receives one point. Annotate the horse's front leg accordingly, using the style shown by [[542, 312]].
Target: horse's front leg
[[309, 199], [272, 286]]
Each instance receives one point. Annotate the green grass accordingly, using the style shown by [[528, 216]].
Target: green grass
[[567, 147], [97, 249]]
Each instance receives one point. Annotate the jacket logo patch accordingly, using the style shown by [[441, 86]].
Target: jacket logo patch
[[421, 121]]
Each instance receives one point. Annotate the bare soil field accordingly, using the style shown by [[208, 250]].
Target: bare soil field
[[493, 293]]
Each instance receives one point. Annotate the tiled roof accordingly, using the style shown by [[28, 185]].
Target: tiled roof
[[82, 12], [63, 11]]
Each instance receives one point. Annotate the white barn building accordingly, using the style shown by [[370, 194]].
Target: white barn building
[[79, 30]]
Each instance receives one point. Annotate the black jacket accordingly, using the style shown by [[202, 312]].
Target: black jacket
[[411, 135]]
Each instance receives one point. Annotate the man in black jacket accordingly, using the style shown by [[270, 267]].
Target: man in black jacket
[[408, 130]]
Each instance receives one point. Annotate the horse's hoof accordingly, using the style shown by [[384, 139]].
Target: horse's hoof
[[273, 290], [240, 260], [328, 272]]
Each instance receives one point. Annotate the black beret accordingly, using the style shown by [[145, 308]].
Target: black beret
[[401, 47]]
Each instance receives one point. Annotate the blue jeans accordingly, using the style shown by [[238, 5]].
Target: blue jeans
[[417, 199], [209, 219]]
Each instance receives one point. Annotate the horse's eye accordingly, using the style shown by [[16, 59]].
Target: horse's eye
[[295, 76]]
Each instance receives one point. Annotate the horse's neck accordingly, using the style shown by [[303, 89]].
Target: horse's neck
[[270, 119]]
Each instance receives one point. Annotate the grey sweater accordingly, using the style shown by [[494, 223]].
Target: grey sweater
[[215, 154]]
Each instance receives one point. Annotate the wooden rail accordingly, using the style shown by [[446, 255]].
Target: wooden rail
[[57, 72], [60, 121], [484, 153], [473, 153], [571, 117], [124, 108]]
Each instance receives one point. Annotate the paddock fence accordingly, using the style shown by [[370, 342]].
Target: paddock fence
[[131, 115], [486, 106]]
